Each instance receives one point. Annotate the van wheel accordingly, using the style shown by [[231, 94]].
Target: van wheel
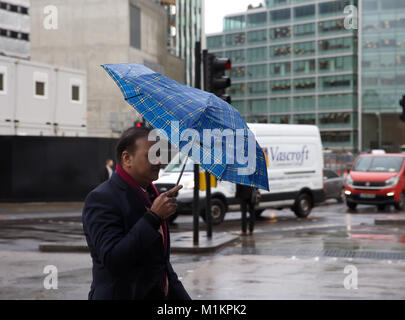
[[303, 205], [400, 205], [259, 212], [351, 205], [218, 211], [173, 217], [341, 197]]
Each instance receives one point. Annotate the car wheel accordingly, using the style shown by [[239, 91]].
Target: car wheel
[[341, 197], [381, 207], [218, 211], [351, 205], [303, 205], [400, 205]]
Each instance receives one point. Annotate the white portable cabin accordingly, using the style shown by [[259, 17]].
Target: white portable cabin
[[39, 99]]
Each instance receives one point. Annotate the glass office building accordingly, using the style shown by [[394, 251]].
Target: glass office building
[[185, 27], [294, 62], [382, 84]]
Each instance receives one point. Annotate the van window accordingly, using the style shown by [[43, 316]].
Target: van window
[[378, 164], [177, 164]]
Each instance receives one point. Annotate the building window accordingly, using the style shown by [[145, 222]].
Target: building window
[[306, 103], [75, 91], [304, 30], [39, 88], [255, 37], [304, 119], [280, 16], [281, 33], [257, 71], [237, 90], [215, 42], [304, 84], [257, 54], [40, 85], [305, 12], [234, 23], [257, 106], [281, 52], [304, 66], [237, 72], [327, 120], [257, 19], [135, 27], [345, 82], [337, 45], [329, 137], [332, 26], [334, 8], [235, 39], [280, 69], [237, 56], [280, 86], [280, 105], [283, 119], [257, 88], [304, 48]]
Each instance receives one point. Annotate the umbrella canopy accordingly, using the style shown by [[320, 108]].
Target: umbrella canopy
[[162, 101]]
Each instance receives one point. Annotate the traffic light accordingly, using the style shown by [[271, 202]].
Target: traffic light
[[215, 80], [139, 124], [402, 103]]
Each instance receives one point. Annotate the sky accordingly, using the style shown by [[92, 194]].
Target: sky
[[215, 10]]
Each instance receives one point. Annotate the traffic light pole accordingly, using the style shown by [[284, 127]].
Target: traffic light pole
[[196, 196], [208, 215]]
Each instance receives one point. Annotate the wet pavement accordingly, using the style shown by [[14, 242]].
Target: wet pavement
[[287, 258]]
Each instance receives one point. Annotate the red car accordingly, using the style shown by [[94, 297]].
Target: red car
[[377, 179]]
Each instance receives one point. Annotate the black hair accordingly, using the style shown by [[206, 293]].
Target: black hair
[[128, 140]]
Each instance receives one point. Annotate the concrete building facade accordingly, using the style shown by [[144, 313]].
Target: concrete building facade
[[15, 28], [90, 33]]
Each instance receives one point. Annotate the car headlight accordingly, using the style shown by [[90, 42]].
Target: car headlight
[[349, 180], [189, 185], [392, 181]]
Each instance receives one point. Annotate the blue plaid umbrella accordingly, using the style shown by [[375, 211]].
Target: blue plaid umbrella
[[161, 100]]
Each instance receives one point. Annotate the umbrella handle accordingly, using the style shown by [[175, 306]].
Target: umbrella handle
[[185, 162]]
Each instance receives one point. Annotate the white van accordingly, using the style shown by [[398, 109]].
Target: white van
[[295, 171]]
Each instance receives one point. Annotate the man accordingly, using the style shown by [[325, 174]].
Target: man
[[247, 196], [124, 221], [107, 170]]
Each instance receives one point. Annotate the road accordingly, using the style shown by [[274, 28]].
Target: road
[[286, 258]]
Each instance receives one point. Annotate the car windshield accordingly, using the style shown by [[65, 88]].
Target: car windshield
[[378, 164], [177, 164]]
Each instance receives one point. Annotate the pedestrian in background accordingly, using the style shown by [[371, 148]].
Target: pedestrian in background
[[107, 170], [248, 199]]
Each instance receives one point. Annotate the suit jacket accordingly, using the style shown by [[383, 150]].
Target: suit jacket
[[126, 248]]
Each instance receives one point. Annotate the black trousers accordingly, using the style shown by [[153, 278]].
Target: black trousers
[[245, 206]]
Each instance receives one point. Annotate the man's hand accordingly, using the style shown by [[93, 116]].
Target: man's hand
[[165, 205]]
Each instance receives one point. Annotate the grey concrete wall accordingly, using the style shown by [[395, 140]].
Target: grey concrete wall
[[95, 32]]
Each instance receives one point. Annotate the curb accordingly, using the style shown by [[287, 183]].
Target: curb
[[181, 242], [399, 222]]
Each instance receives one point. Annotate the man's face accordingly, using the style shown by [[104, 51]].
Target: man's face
[[110, 163], [140, 167]]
